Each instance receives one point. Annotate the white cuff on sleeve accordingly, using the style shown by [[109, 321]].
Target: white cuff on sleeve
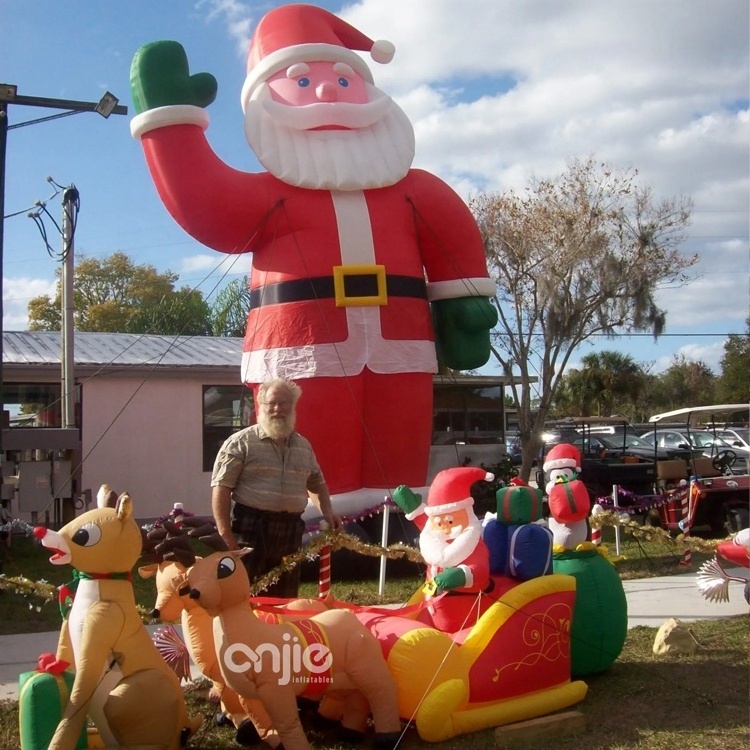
[[416, 512], [469, 576], [456, 288], [161, 117]]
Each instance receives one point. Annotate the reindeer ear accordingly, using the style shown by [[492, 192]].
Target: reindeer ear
[[106, 497], [242, 552], [124, 507]]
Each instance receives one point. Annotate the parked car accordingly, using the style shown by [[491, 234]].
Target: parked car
[[628, 444], [550, 437], [735, 436], [730, 456]]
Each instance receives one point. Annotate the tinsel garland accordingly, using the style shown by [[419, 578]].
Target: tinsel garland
[[339, 541], [649, 533], [641, 503]]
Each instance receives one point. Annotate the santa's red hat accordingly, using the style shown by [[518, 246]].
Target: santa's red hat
[[304, 33], [563, 456], [451, 489]]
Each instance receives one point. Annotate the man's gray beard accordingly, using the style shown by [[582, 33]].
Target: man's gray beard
[[277, 428], [356, 159]]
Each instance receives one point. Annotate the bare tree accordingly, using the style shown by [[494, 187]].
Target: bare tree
[[573, 256]]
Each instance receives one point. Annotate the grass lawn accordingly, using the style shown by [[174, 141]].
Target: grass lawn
[[644, 702]]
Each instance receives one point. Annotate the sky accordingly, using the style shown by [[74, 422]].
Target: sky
[[498, 91]]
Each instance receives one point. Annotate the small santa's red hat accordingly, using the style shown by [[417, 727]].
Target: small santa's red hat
[[451, 489], [304, 33], [563, 456]]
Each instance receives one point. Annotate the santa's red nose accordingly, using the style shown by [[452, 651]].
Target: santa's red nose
[[40, 532]]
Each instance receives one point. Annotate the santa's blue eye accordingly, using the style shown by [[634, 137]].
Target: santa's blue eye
[[343, 82], [303, 82]]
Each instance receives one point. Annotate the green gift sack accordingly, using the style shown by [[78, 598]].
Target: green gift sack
[[42, 697]]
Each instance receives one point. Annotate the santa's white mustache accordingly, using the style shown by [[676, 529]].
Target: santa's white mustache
[[327, 114]]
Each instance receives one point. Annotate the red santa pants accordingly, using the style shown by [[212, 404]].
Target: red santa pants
[[369, 430]]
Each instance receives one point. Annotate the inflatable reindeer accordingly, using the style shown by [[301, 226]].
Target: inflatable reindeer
[[121, 680], [330, 654], [173, 556]]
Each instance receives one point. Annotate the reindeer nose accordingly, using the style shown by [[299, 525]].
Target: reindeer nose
[[155, 614], [195, 594]]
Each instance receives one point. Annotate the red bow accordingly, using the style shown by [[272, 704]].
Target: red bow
[[51, 664]]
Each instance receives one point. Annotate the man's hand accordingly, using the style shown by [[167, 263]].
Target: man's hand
[[462, 327], [407, 500], [450, 578], [159, 76]]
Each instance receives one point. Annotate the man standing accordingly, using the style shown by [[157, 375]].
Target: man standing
[[262, 478], [365, 271]]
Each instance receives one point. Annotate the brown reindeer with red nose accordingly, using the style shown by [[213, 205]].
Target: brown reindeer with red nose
[[121, 680]]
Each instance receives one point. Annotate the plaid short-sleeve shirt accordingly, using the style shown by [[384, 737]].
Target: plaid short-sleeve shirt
[[250, 463]]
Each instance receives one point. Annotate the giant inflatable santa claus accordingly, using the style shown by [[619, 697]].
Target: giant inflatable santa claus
[[365, 271]]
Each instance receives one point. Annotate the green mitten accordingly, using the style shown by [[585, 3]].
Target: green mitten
[[407, 500], [450, 578], [159, 76], [462, 327]]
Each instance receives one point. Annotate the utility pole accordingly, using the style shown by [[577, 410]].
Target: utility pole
[[70, 208]]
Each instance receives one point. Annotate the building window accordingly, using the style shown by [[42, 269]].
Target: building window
[[226, 409], [467, 414], [32, 404]]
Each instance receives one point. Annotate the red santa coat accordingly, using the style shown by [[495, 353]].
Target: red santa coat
[[451, 612], [477, 561], [337, 286]]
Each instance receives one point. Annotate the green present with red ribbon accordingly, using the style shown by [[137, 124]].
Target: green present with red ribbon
[[42, 697], [518, 503]]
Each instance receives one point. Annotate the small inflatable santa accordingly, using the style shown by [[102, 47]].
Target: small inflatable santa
[[451, 534]]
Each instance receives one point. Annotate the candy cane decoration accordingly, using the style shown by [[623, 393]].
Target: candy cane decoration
[[687, 555], [596, 525], [324, 569]]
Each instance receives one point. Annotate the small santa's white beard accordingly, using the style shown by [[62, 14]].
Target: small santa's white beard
[[437, 548], [362, 158]]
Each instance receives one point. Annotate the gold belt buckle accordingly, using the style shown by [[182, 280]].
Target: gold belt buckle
[[429, 589], [341, 273]]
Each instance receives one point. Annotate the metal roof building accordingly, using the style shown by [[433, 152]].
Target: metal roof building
[[115, 350]]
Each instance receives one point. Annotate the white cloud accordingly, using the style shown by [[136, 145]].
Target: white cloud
[[709, 354], [17, 293], [236, 16], [214, 264]]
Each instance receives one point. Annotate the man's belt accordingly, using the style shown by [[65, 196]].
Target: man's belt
[[349, 285]]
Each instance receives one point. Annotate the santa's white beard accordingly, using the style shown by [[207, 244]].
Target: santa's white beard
[[438, 550], [371, 156]]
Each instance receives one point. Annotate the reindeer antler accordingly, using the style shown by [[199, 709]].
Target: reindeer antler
[[171, 541]]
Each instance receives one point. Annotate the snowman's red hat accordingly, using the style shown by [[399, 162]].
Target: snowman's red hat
[[304, 33], [451, 489], [563, 456]]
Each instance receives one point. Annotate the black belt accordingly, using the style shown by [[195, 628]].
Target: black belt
[[247, 511], [358, 289]]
